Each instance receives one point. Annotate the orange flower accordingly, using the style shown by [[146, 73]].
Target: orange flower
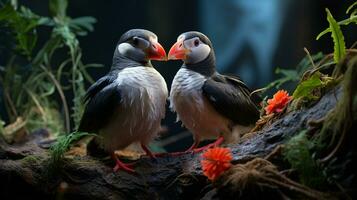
[[278, 102], [216, 161]]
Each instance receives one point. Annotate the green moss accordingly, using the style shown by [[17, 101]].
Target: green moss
[[30, 160], [297, 152]]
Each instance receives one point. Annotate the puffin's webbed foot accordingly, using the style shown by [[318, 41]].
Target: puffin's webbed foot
[[120, 165], [189, 150], [213, 144], [147, 151]]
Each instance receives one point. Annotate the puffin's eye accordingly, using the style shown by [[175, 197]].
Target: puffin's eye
[[196, 42], [135, 41]]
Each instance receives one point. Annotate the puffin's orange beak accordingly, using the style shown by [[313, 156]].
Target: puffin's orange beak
[[178, 51], [156, 52]]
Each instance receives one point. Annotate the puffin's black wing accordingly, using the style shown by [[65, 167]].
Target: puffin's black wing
[[102, 100], [231, 98]]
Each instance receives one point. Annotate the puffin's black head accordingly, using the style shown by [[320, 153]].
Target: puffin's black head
[[140, 45], [192, 47]]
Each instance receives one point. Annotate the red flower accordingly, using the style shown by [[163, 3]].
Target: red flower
[[216, 161], [277, 104]]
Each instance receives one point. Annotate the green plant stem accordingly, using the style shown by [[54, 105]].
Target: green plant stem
[[37, 103], [74, 86], [11, 104], [62, 96]]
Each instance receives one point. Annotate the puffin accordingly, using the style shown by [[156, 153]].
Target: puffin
[[209, 104], [127, 105]]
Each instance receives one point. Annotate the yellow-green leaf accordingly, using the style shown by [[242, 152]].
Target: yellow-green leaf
[[338, 39], [305, 88]]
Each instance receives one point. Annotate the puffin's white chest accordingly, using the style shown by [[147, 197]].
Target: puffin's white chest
[[186, 89], [144, 78], [143, 98], [145, 91], [192, 108]]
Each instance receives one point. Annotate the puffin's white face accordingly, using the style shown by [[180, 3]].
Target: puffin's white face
[[141, 49], [191, 50]]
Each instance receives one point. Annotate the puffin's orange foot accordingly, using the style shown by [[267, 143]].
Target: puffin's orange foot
[[125, 167], [189, 150], [121, 165], [147, 151], [214, 144]]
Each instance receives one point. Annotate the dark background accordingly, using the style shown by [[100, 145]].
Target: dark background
[[295, 25]]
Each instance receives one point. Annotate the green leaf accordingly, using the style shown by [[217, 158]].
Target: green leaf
[[7, 12], [293, 75], [23, 23], [323, 33], [338, 39], [85, 22], [58, 8], [351, 6], [305, 88], [345, 22]]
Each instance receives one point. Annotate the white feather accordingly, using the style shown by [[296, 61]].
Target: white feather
[[193, 109], [138, 119]]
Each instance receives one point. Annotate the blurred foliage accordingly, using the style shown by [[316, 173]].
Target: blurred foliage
[[297, 152], [33, 80], [2, 123], [23, 23], [293, 75]]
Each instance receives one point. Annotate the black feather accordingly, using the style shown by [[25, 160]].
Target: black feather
[[102, 101], [231, 98]]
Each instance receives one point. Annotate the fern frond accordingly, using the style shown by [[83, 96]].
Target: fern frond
[[338, 38]]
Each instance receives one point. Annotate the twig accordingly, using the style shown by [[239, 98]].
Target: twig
[[343, 191], [354, 45], [302, 190], [275, 151], [309, 56], [337, 147], [314, 193], [351, 50], [318, 66]]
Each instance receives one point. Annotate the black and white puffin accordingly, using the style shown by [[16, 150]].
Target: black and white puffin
[[209, 104], [126, 105]]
